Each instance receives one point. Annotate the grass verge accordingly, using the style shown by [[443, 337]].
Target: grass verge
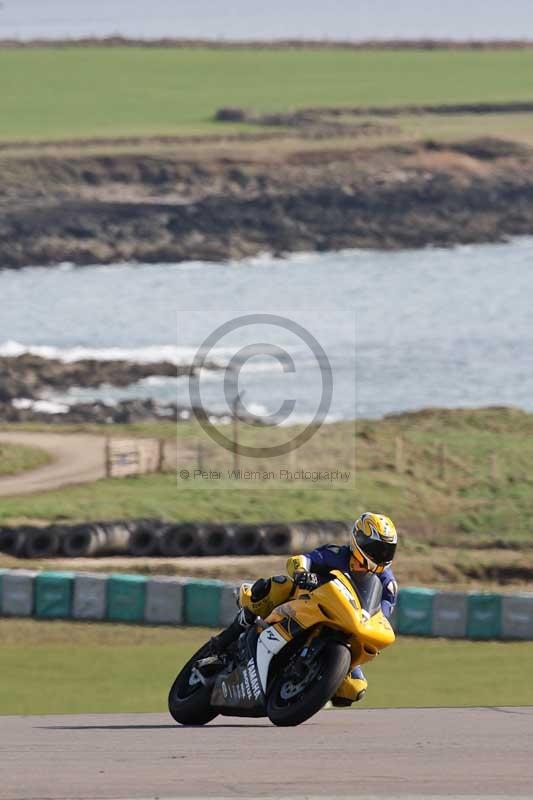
[[463, 478], [19, 458], [68, 667]]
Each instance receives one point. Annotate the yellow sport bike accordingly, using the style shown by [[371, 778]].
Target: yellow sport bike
[[287, 666]]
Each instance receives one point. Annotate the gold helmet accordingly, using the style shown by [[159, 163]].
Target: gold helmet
[[373, 541]]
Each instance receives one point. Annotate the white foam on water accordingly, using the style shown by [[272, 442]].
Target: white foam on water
[[152, 354], [262, 366], [257, 409], [157, 380], [439, 314], [306, 419], [42, 406]]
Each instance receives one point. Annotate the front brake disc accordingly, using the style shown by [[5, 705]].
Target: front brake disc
[[291, 688]]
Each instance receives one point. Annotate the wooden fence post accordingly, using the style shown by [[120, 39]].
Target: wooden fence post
[[200, 457], [161, 455], [443, 455], [108, 457], [292, 460], [494, 468], [236, 460], [398, 454]]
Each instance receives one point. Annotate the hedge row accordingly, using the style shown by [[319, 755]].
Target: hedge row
[[211, 603]]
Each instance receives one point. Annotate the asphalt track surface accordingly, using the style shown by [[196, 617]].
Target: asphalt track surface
[[459, 753]]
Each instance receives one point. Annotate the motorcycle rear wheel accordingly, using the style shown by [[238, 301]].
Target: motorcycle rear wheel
[[190, 704], [331, 667]]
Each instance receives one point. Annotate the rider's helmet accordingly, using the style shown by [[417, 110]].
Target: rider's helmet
[[373, 541]]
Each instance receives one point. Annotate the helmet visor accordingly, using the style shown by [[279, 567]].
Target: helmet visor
[[378, 551]]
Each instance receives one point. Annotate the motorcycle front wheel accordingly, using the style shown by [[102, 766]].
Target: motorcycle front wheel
[[188, 699], [293, 698]]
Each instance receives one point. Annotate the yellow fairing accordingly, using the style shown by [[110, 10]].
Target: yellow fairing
[[337, 605]]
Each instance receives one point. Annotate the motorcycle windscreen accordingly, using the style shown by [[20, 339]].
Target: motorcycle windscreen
[[369, 590]]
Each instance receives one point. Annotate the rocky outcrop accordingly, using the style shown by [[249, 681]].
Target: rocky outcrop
[[32, 378], [308, 115], [124, 412], [275, 44], [133, 208], [30, 375]]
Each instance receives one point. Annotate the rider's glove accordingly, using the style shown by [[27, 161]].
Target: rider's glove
[[305, 580]]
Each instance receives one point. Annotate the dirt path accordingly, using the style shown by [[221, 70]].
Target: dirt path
[[423, 753], [77, 458]]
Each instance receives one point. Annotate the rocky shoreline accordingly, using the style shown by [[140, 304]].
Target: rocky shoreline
[[27, 380], [125, 412], [173, 207], [275, 44], [31, 376]]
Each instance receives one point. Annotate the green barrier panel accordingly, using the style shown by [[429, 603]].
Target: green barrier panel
[[484, 616], [414, 613], [2, 572], [202, 603], [53, 594], [126, 597]]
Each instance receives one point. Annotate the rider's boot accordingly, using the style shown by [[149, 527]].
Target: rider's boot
[[255, 600], [243, 620], [352, 689]]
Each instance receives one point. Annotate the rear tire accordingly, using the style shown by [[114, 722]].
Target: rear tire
[[190, 704], [333, 665]]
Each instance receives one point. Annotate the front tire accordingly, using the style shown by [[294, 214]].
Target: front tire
[[189, 703], [288, 706]]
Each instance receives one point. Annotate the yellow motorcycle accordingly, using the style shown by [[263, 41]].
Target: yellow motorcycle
[[289, 665]]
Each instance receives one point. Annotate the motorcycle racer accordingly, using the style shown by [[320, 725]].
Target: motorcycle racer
[[372, 547]]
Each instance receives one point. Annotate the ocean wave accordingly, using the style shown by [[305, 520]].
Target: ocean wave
[[43, 406], [306, 419], [150, 354]]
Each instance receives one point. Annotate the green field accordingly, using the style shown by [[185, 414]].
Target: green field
[[82, 92], [465, 476], [160, 496], [18, 458], [68, 667]]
